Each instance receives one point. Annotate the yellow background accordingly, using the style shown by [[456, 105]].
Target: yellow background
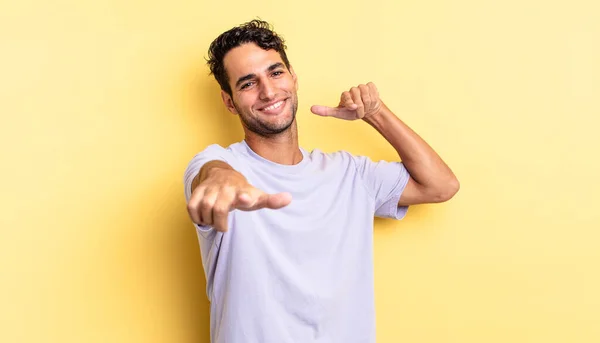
[[103, 103]]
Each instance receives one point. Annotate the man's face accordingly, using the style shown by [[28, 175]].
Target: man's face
[[263, 89]]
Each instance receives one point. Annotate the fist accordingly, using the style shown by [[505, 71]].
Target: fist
[[223, 191], [357, 103]]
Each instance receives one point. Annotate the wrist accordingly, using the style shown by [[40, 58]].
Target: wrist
[[213, 168], [377, 117]]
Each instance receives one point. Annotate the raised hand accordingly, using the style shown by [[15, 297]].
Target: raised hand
[[357, 103], [224, 190]]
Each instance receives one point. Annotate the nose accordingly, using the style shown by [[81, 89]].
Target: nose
[[267, 91]]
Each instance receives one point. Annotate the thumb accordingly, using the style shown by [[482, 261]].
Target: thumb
[[324, 111]]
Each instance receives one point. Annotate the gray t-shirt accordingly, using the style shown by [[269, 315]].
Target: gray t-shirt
[[302, 273]]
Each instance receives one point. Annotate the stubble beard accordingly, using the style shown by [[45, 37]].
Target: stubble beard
[[267, 129]]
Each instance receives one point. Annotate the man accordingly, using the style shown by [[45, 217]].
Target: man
[[286, 235]]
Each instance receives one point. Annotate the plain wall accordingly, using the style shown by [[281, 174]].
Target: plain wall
[[103, 103]]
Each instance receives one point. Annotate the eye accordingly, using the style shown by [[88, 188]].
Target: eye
[[246, 85], [277, 73]]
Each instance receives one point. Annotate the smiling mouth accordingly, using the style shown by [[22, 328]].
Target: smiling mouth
[[274, 107]]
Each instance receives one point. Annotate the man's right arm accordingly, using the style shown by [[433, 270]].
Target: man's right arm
[[205, 169], [218, 189]]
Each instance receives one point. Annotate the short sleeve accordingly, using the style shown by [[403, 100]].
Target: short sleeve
[[385, 181], [211, 153]]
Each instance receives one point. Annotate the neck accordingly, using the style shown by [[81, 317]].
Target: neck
[[282, 148]]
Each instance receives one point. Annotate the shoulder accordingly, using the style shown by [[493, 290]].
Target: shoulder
[[217, 149], [217, 152], [213, 152]]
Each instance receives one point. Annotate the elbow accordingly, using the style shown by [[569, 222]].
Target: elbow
[[447, 191], [451, 189]]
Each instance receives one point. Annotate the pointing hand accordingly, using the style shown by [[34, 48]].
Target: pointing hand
[[226, 190], [357, 103]]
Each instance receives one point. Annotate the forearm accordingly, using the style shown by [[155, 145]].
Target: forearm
[[422, 162], [207, 168]]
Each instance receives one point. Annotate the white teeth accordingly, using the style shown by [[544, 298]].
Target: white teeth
[[274, 106]]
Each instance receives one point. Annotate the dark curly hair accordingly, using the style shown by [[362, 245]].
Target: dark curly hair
[[256, 31]]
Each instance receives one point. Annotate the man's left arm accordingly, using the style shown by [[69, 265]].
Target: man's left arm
[[431, 180]]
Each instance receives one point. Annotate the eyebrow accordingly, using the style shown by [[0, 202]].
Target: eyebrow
[[251, 76]]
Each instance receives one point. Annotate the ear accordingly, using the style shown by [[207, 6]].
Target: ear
[[228, 101], [294, 77]]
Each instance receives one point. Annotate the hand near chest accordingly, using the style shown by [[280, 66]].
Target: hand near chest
[[218, 189]]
